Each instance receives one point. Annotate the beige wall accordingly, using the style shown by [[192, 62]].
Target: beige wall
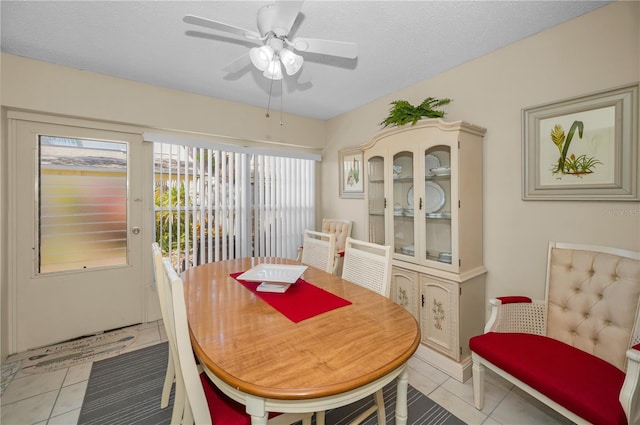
[[594, 52], [39, 86]]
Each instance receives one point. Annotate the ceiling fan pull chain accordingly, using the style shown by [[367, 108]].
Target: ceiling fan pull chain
[[269, 101], [281, 101]]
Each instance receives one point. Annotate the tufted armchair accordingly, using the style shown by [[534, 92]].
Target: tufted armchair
[[578, 351], [342, 229]]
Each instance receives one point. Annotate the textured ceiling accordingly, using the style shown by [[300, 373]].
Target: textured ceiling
[[399, 43]]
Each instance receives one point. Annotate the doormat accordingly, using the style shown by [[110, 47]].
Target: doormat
[[75, 352], [9, 370]]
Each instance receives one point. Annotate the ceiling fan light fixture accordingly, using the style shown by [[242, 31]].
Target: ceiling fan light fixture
[[292, 62], [275, 23], [261, 57], [274, 70]]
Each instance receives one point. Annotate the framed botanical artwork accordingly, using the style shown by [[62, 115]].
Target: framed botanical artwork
[[584, 148], [351, 173]]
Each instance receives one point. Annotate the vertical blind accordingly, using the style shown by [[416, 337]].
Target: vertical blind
[[215, 204]]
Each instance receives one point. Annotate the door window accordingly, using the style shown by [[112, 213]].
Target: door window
[[82, 204]]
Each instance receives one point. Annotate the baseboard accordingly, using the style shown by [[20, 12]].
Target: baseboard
[[458, 371]]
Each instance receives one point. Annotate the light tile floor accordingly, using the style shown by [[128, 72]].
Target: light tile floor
[[55, 398]]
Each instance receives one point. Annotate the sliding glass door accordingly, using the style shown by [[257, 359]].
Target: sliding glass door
[[214, 204]]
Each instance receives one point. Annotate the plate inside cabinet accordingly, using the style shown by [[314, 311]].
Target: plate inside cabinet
[[434, 198], [431, 161], [410, 198], [440, 171]]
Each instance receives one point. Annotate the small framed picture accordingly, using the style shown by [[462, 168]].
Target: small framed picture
[[351, 173], [584, 148]]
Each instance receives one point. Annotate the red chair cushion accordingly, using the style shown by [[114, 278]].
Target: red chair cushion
[[224, 410], [515, 299], [582, 383]]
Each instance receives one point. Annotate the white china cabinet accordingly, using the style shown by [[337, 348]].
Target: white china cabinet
[[423, 188]]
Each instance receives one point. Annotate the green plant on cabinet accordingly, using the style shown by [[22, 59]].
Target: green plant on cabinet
[[403, 112]]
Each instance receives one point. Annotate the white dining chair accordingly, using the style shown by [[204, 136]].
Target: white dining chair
[[341, 228], [158, 269], [369, 265], [318, 250], [204, 403]]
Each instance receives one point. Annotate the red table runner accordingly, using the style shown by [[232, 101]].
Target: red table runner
[[301, 301]]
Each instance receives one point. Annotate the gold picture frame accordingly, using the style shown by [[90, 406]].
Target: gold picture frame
[[583, 148], [351, 173]]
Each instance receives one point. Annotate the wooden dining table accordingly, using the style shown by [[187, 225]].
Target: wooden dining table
[[269, 363]]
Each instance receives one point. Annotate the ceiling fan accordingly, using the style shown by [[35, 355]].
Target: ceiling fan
[[274, 25]]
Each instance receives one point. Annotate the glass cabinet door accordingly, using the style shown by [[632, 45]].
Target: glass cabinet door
[[438, 204], [376, 207], [403, 204]]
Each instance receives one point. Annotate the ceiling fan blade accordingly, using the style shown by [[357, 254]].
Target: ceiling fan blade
[[208, 23], [326, 47], [286, 14], [237, 64], [304, 78]]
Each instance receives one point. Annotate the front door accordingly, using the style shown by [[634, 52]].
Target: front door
[[77, 240]]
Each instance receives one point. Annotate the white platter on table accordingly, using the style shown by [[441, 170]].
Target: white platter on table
[[282, 273]]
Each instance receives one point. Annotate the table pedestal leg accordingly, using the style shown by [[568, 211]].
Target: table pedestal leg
[[256, 408], [401, 398], [255, 420]]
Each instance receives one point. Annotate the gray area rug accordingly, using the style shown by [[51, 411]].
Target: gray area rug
[[126, 389]]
